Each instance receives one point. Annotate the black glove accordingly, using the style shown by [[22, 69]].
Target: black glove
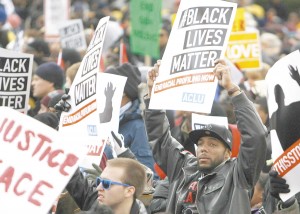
[[277, 184], [63, 105]]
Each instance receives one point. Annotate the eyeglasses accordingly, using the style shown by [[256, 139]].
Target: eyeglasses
[[107, 183]]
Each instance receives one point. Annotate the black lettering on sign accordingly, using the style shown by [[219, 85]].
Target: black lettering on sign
[[90, 62], [85, 89], [205, 15], [13, 101], [13, 84], [204, 37], [14, 65], [98, 37], [194, 60], [70, 30]]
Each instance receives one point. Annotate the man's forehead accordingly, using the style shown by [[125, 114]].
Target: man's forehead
[[112, 172]]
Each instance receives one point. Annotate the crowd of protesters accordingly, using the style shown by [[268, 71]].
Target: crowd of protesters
[[162, 166]]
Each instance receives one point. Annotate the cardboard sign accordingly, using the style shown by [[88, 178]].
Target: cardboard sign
[[56, 12], [15, 79], [110, 89], [198, 121], [283, 82], [244, 50], [145, 18], [72, 35], [35, 163], [239, 20], [81, 123], [199, 37]]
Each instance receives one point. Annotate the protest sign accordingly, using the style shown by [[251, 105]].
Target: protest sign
[[239, 20], [81, 122], [145, 18], [35, 163], [283, 83], [72, 35], [110, 89], [198, 37], [52, 20], [244, 50], [15, 79], [201, 121]]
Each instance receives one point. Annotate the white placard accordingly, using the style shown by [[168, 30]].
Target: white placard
[[15, 79], [81, 122], [35, 163], [198, 121], [72, 35], [110, 89], [283, 82], [56, 12], [199, 36]]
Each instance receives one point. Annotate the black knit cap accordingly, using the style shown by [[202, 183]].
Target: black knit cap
[[133, 75], [51, 72]]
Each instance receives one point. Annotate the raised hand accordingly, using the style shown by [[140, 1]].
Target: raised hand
[[294, 74], [151, 77], [109, 91], [223, 73], [106, 115]]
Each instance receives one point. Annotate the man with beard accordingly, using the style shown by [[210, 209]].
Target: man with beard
[[211, 182]]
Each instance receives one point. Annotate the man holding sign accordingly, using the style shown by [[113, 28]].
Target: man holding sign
[[211, 182]]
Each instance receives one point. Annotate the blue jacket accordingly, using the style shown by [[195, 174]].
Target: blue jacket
[[133, 129]]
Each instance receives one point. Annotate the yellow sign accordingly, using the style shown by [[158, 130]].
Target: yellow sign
[[244, 50], [239, 20]]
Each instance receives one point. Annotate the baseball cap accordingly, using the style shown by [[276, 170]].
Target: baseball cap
[[219, 132]]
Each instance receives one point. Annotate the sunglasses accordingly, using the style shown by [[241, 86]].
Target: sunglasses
[[106, 184]]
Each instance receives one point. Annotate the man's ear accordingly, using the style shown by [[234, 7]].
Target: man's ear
[[227, 153], [129, 191]]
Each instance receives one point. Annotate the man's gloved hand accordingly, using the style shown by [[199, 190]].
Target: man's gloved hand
[[278, 185], [92, 174], [63, 105], [118, 146]]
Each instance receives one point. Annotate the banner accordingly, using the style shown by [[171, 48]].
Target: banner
[[15, 79], [283, 82], [81, 122], [145, 19], [72, 35], [244, 50], [198, 37], [35, 163]]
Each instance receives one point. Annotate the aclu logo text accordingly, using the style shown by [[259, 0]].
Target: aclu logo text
[[92, 130], [193, 98]]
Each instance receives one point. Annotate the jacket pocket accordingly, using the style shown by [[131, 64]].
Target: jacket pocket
[[212, 197], [214, 186]]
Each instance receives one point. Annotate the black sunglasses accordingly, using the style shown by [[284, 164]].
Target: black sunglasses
[[107, 183]]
